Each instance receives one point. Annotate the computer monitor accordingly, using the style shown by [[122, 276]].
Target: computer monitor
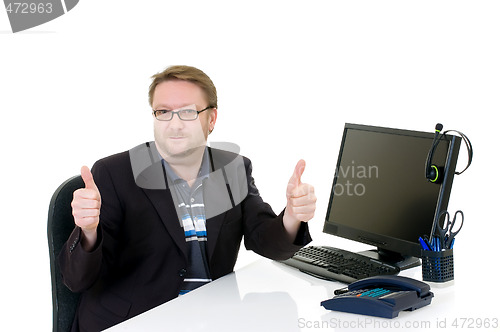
[[380, 194]]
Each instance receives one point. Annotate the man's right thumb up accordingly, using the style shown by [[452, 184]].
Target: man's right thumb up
[[88, 179]]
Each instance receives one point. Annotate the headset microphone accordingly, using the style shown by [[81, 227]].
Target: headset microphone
[[439, 127], [434, 173]]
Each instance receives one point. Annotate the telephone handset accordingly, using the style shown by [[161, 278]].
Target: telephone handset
[[381, 296]]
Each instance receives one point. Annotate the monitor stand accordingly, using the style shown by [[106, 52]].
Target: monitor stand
[[392, 258]]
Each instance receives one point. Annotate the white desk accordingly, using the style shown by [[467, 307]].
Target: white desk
[[269, 296]]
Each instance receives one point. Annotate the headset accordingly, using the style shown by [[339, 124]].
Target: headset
[[434, 173]]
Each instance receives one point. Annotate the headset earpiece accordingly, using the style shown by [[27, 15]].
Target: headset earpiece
[[435, 174]]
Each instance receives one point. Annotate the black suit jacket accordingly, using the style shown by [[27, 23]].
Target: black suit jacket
[[141, 257]]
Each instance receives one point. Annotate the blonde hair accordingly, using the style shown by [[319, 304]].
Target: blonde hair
[[186, 73]]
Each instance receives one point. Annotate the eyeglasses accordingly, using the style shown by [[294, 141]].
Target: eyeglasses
[[184, 114]]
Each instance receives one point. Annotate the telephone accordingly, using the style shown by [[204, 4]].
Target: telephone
[[381, 296]]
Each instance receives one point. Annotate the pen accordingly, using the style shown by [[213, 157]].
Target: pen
[[438, 244], [423, 243]]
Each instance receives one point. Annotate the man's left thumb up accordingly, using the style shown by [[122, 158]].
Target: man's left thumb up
[[295, 180]]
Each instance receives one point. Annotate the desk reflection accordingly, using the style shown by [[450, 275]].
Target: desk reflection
[[218, 306]]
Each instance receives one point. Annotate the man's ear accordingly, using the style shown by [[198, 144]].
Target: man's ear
[[212, 120]]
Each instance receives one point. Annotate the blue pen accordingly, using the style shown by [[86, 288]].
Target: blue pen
[[433, 244], [423, 244], [438, 244], [427, 242]]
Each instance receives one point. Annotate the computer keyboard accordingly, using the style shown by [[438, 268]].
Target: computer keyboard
[[337, 264]]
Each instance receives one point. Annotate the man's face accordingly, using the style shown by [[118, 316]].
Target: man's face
[[178, 138]]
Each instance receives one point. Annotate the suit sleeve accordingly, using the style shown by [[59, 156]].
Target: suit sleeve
[[79, 268], [264, 230]]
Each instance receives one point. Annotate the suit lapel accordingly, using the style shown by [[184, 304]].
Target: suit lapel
[[214, 222], [163, 203], [216, 199]]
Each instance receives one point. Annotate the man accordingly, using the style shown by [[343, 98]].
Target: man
[[168, 216]]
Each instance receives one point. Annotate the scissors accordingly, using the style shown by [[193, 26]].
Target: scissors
[[445, 234]]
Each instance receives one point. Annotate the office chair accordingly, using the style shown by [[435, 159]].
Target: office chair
[[60, 224]]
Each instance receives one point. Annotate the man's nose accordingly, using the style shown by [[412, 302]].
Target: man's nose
[[176, 122]]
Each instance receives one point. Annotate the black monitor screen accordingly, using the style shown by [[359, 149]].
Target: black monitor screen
[[380, 193]]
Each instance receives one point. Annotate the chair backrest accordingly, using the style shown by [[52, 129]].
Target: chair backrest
[[60, 224]]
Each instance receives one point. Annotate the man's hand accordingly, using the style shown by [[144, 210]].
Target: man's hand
[[301, 201], [86, 206]]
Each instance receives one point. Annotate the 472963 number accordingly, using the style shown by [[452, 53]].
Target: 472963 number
[[471, 323], [29, 8]]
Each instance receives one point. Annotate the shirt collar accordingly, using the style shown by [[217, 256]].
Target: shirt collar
[[202, 173]]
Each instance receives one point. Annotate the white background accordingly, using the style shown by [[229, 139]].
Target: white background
[[289, 75]]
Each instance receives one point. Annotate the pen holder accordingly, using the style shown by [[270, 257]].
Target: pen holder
[[437, 266]]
